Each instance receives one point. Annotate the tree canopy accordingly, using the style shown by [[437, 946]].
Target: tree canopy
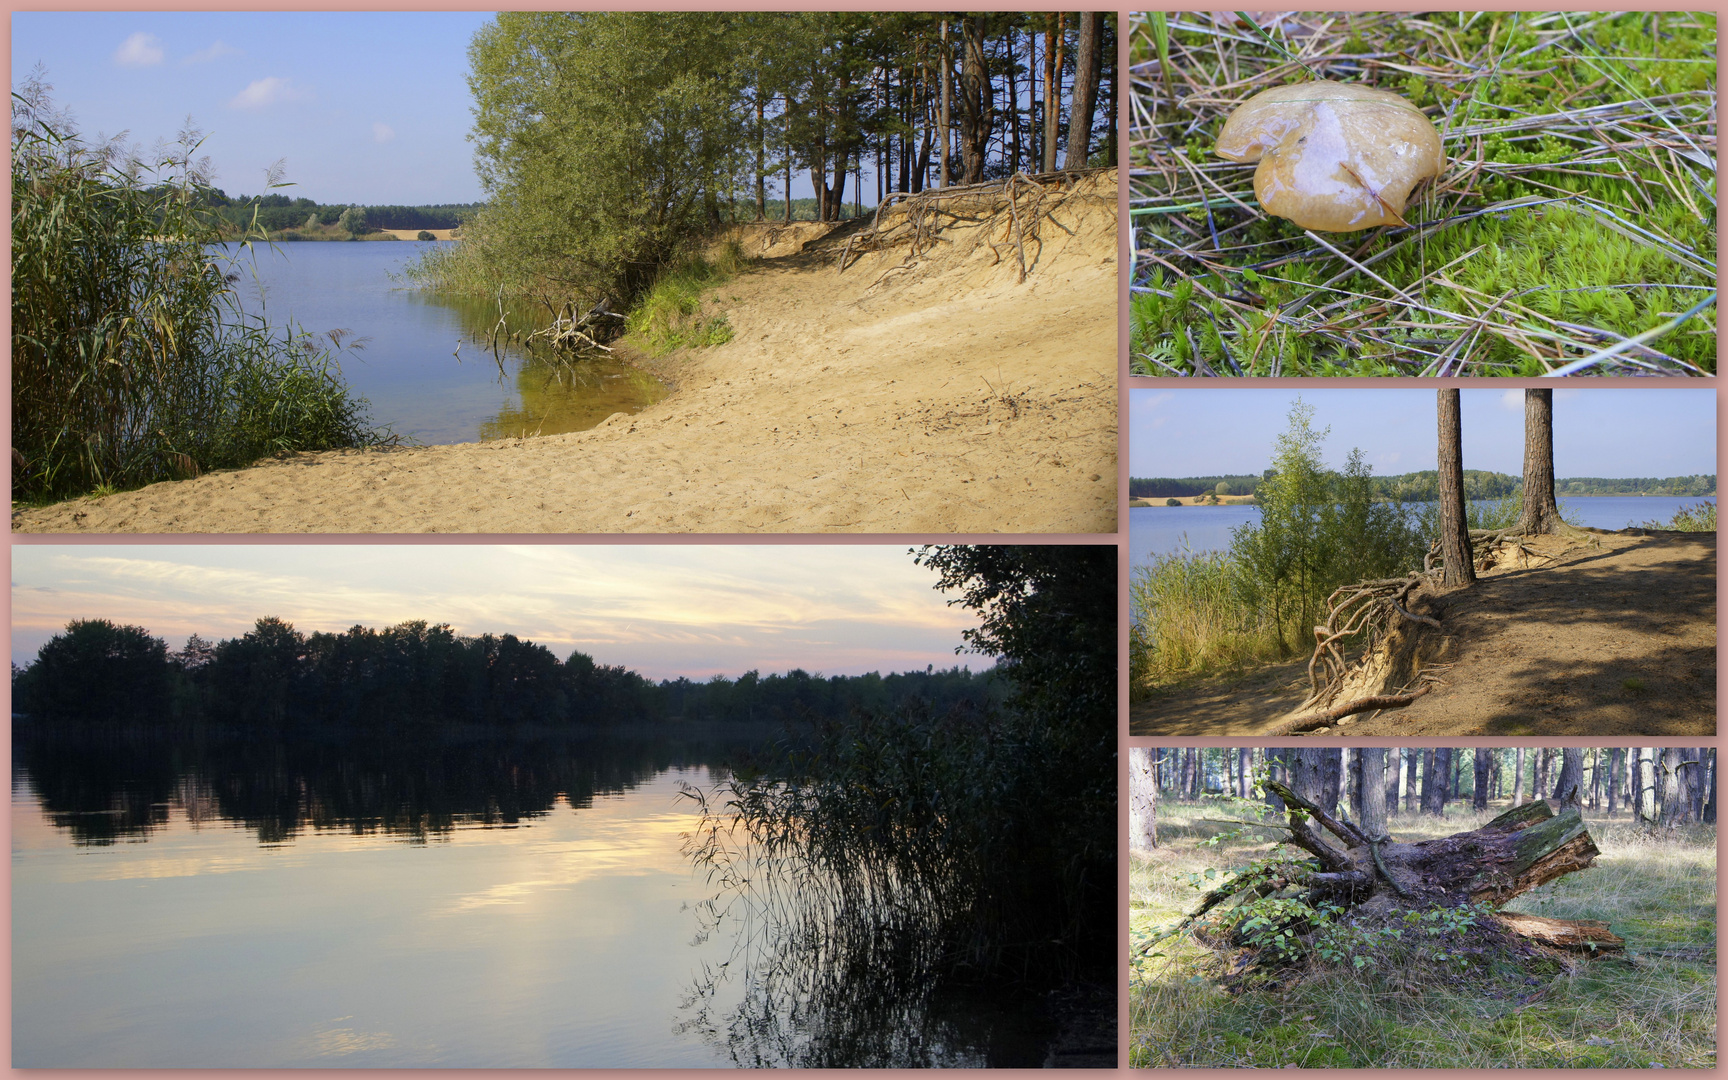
[[606, 140]]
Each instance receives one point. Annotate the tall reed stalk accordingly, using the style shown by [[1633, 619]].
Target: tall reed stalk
[[132, 360]]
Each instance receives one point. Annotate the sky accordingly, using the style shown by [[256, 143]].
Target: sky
[[366, 107], [1642, 431], [661, 610]]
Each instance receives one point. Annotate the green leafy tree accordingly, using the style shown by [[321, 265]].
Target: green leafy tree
[[605, 139], [353, 221], [1318, 530]]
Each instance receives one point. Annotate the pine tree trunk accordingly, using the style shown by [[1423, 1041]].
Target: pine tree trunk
[[1540, 514], [1085, 91], [1373, 773], [1460, 568], [1053, 45]]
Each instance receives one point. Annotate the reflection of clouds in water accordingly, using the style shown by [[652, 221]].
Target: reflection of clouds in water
[[624, 848], [340, 1041]]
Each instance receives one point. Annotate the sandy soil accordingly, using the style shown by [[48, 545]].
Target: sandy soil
[[1615, 639], [945, 397]]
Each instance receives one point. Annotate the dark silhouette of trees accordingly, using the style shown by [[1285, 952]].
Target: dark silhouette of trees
[[97, 670], [419, 672]]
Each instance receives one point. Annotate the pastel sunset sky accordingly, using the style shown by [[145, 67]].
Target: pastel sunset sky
[[662, 610]]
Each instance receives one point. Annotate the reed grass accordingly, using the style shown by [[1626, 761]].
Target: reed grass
[[1191, 619], [1572, 231], [1700, 517], [132, 360], [943, 833], [1658, 890]]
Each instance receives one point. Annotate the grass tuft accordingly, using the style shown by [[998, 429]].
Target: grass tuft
[[671, 315]]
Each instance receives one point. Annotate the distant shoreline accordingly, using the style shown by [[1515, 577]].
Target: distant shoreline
[[1157, 501]]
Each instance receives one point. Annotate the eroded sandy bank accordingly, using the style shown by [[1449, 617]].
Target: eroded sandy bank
[[943, 397]]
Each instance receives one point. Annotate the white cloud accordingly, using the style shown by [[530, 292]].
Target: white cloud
[[139, 50], [1512, 400], [216, 51], [383, 133], [265, 92]]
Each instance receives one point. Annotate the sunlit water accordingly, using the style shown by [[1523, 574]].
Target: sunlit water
[[1161, 530], [468, 904], [407, 363]]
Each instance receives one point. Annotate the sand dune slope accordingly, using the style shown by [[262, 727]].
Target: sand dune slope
[[939, 396]]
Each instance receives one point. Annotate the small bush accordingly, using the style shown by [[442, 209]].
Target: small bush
[[424, 235]]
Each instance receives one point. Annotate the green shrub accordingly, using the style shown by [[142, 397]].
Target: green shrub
[[132, 360]]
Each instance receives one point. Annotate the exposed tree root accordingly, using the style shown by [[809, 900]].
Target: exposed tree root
[[1028, 201], [1339, 712]]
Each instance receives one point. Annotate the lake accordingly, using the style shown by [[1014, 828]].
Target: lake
[[408, 365], [447, 900], [1161, 530]]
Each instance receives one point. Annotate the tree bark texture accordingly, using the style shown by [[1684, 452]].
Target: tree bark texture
[[1374, 788], [1085, 89], [1142, 800], [1571, 779], [1460, 568], [1479, 797], [1540, 514]]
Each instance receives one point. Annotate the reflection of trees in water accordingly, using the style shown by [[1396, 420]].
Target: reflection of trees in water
[[108, 786], [556, 394]]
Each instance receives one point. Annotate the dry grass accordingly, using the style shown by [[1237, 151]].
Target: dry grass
[[1572, 231], [1658, 891]]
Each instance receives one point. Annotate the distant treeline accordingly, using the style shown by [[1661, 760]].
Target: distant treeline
[[1424, 486], [98, 671], [277, 213], [1162, 487]]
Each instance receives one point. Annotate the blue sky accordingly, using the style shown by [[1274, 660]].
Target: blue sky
[[366, 107], [1611, 432], [662, 610]]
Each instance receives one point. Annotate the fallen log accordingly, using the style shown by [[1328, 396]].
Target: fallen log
[[1380, 879]]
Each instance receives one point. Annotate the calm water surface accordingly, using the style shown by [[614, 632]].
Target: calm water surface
[[465, 903], [405, 364], [1161, 530]]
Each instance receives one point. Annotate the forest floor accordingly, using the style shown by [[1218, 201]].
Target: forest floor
[[1614, 635], [944, 395], [1654, 1007]]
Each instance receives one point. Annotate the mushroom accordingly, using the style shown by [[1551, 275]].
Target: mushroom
[[1333, 156]]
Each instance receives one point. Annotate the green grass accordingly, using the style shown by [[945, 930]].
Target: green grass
[[671, 314], [1557, 230], [1658, 891]]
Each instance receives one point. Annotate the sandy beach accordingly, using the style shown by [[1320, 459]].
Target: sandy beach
[[932, 394]]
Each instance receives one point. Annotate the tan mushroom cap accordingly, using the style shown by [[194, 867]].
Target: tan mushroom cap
[[1333, 156]]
